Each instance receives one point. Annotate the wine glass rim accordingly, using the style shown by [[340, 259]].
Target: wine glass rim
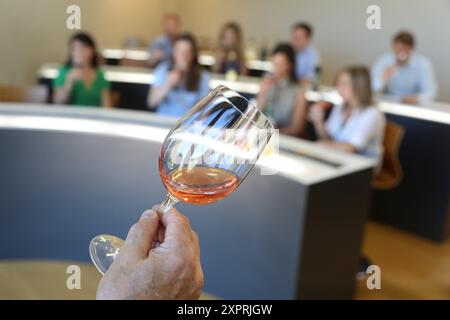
[[267, 122]]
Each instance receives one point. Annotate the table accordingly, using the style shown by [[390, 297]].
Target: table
[[113, 56], [133, 83], [420, 204]]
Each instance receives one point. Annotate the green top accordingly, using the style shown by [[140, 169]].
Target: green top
[[80, 94]]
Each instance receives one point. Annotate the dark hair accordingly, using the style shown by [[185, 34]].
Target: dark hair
[[195, 69], [88, 41], [287, 50], [234, 26], [405, 37], [305, 26], [360, 77]]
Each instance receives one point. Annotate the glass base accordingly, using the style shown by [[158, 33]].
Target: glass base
[[103, 249]]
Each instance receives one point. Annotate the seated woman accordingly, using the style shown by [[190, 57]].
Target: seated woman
[[230, 53], [356, 125], [80, 81], [280, 96], [178, 85]]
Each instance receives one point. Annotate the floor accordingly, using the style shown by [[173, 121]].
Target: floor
[[411, 267], [51, 280]]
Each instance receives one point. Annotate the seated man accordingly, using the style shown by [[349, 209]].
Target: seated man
[[160, 259], [404, 75], [307, 57], [160, 49]]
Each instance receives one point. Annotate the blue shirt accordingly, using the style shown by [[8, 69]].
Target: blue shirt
[[179, 100], [306, 62], [416, 77], [162, 43]]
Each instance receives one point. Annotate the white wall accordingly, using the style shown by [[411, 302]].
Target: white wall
[[34, 31], [340, 27]]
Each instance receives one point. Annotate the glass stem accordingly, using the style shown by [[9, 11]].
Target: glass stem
[[168, 203]]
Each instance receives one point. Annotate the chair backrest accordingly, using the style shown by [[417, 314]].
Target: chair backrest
[[115, 98], [9, 94], [37, 94], [391, 172]]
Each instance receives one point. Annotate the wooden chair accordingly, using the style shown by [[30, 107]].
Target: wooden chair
[[36, 94], [391, 172], [115, 98]]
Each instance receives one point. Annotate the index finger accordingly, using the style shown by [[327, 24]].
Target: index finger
[[178, 228]]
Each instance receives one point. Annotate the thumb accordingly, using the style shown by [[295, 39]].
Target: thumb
[[141, 236]]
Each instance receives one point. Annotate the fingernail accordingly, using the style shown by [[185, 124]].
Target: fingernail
[[148, 214]]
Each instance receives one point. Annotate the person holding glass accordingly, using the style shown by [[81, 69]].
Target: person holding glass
[[160, 259], [280, 95], [80, 81], [179, 84], [229, 56], [356, 125], [307, 56], [160, 49], [404, 75]]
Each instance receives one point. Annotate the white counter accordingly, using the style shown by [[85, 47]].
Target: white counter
[[141, 54], [435, 111], [299, 160]]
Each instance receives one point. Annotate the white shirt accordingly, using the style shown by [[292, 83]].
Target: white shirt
[[364, 129]]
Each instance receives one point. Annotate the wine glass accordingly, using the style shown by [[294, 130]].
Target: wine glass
[[203, 158]]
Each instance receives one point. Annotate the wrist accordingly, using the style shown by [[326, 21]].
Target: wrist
[[318, 123], [69, 84]]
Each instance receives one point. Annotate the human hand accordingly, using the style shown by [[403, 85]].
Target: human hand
[[160, 259], [410, 99], [389, 72], [174, 77], [74, 75], [317, 113], [266, 83]]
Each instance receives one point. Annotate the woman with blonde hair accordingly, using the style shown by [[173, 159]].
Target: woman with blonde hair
[[356, 125]]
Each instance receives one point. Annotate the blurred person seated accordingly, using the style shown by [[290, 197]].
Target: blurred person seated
[[356, 125], [181, 83], [279, 97], [230, 55], [307, 57], [159, 260], [160, 49], [403, 74], [80, 80]]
